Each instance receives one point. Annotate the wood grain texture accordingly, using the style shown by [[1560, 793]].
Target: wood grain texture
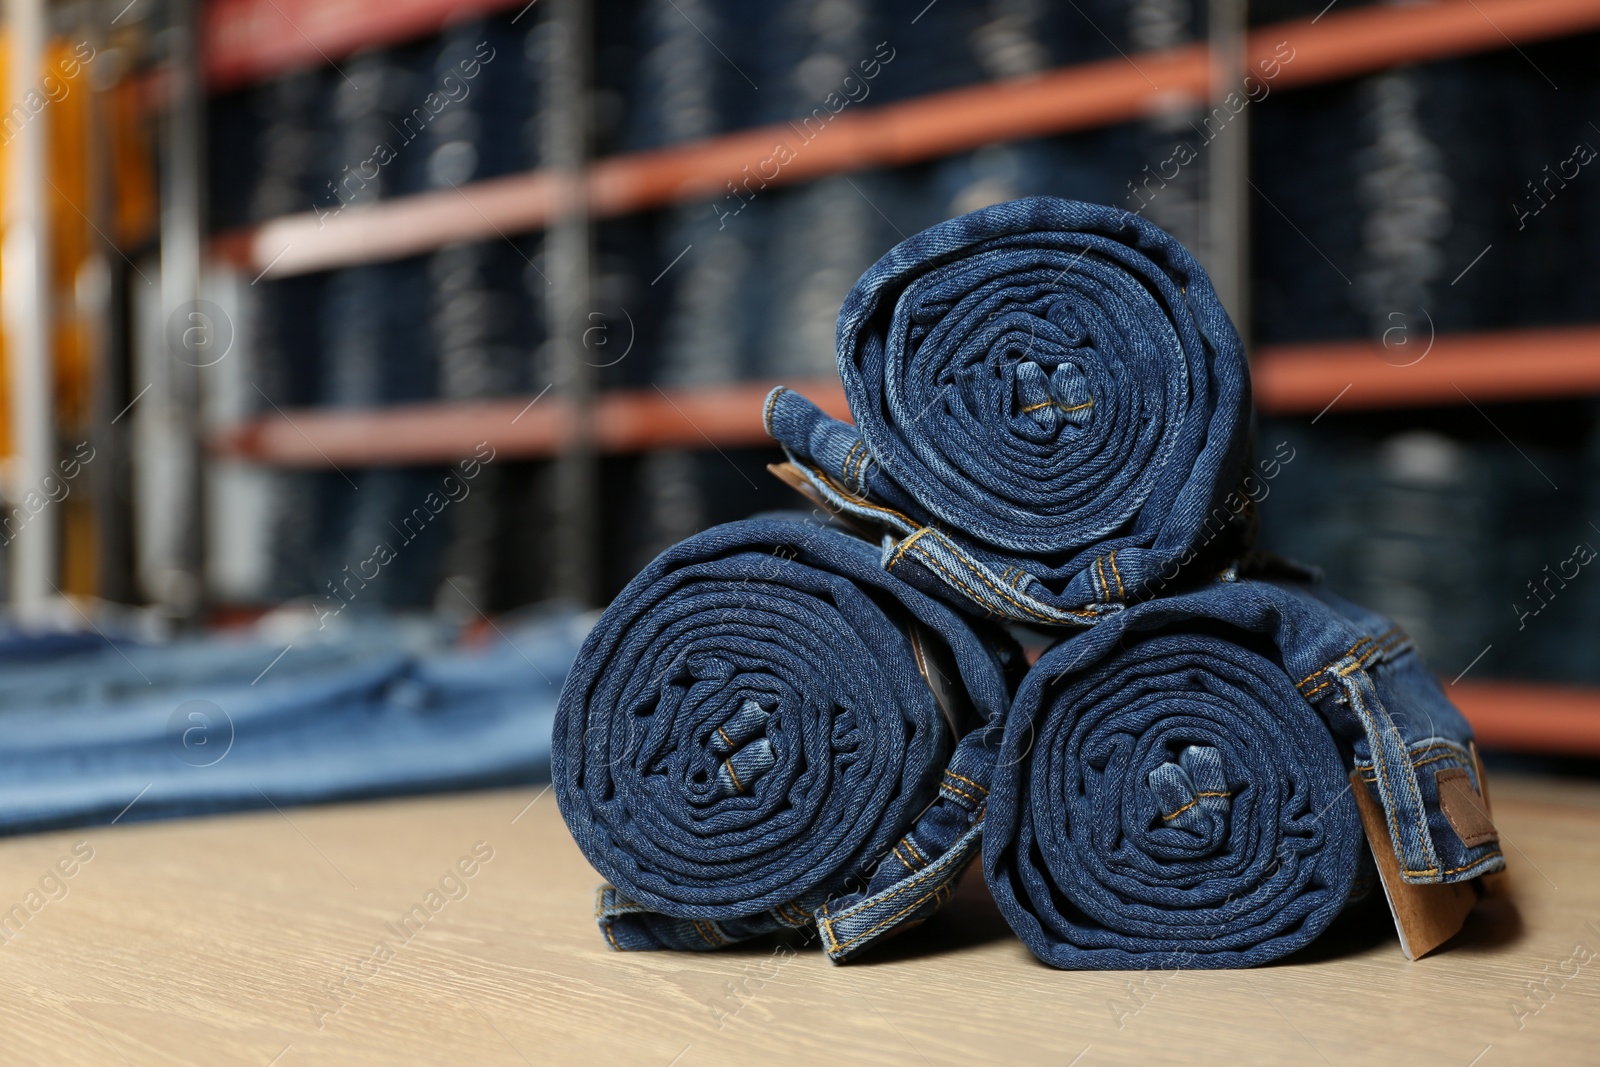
[[214, 942]]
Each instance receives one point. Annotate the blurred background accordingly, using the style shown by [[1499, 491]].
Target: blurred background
[[415, 328]]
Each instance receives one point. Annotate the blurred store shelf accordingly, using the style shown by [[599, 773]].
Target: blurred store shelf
[[1288, 379], [1525, 717], [525, 427], [1454, 369], [245, 41], [1330, 47]]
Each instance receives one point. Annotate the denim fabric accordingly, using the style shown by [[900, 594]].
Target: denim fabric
[[1051, 411], [824, 235], [747, 743], [204, 725], [1173, 786]]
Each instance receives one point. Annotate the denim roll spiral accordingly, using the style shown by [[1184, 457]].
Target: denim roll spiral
[[766, 731], [1174, 788], [1051, 411]]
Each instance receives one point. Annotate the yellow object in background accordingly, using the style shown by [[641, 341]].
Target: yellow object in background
[[76, 124]]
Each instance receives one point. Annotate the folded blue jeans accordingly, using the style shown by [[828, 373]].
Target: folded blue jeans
[[205, 725], [766, 731], [1051, 413], [1174, 786]]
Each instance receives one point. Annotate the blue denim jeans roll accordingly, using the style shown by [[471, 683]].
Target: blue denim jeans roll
[[1174, 786], [766, 731], [1051, 410]]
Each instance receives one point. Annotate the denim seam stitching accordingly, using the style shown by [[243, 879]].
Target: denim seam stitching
[[999, 592], [914, 850], [1496, 854], [912, 884], [969, 781], [901, 550], [1416, 796], [772, 401]]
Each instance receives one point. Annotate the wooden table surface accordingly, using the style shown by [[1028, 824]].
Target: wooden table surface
[[277, 938]]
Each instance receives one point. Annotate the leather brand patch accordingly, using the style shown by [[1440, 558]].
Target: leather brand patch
[[1461, 804]]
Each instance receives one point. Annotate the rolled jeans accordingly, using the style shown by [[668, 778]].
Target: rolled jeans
[[765, 731], [1051, 413], [1174, 788]]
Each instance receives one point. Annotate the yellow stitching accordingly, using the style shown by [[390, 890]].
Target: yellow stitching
[[1078, 407], [1000, 592], [1180, 811], [1105, 587], [728, 763], [1416, 796], [772, 401], [844, 468], [1191, 804], [861, 463], [914, 850], [969, 781], [726, 739], [1036, 407], [1318, 689], [844, 492], [611, 937], [958, 792], [907, 543], [1458, 870], [1122, 594], [894, 893]]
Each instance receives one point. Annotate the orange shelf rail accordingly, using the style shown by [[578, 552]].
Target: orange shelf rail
[[1455, 369], [1527, 717], [624, 421], [1336, 45], [1288, 380], [244, 41]]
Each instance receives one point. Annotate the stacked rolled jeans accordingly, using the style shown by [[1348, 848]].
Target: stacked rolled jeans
[[765, 731], [1051, 430]]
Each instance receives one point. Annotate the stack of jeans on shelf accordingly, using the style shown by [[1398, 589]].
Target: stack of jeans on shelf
[[484, 330], [1052, 428], [484, 89], [1401, 523], [1089, 167], [708, 253], [1542, 600], [285, 324], [1394, 224], [824, 234], [1373, 226], [213, 724], [1175, 203], [279, 170], [287, 123], [690, 82], [1467, 544]]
